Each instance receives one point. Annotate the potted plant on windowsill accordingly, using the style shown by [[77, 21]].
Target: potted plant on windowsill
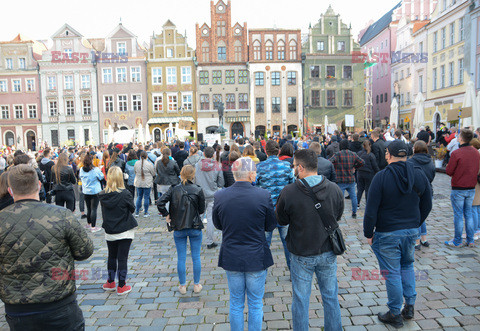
[[439, 153]]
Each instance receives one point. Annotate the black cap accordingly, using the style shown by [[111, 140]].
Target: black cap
[[397, 148]]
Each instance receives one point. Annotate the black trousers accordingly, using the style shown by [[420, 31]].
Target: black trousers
[[68, 317], [363, 184], [65, 199], [92, 205], [118, 254], [131, 188]]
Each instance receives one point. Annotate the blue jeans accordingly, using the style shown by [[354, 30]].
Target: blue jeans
[[253, 284], [395, 254], [476, 218], [352, 192], [462, 207], [422, 230], [142, 193], [282, 230], [325, 267], [180, 238]]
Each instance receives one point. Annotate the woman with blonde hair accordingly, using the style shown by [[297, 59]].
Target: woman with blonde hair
[[187, 203], [118, 223], [250, 152]]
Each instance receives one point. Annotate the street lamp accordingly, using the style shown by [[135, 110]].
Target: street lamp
[[284, 126]]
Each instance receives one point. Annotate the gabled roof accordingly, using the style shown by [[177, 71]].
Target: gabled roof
[[378, 26], [418, 25], [169, 24], [120, 28], [66, 26]]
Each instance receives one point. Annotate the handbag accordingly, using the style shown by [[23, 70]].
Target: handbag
[[334, 234]]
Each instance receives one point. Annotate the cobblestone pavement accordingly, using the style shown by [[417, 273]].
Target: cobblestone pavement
[[448, 283]]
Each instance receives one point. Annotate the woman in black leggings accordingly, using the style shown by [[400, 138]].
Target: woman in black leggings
[[63, 181]]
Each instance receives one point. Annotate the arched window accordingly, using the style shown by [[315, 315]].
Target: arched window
[[205, 52], [257, 50], [293, 50], [281, 50], [269, 50], [238, 51]]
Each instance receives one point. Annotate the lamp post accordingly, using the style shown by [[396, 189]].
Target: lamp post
[[284, 126]]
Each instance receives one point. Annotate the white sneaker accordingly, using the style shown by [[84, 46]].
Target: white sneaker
[[475, 237], [88, 226], [136, 215], [146, 215], [95, 229], [204, 221]]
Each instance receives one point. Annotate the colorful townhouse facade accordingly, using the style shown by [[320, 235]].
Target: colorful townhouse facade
[[20, 99]]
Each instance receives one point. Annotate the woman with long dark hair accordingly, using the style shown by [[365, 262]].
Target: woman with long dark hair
[[91, 186], [167, 172], [63, 181], [5, 197], [286, 153], [144, 174], [115, 161], [367, 172]]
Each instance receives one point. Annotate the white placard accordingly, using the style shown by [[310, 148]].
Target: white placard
[[124, 136], [210, 138], [349, 121]]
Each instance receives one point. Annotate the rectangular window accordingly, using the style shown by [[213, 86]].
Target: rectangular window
[[107, 75], [222, 53], [203, 77], [172, 102], [315, 100], [157, 103], [269, 52], [330, 71], [135, 74], [257, 52], [68, 52], [434, 83], [221, 28], [108, 103], [229, 76], [320, 45], [169, 52], [52, 108], [87, 107], [217, 77], [230, 99], [420, 48], [16, 85], [242, 77], [85, 81], [292, 78], [204, 102], [171, 75], [292, 104], [70, 107], [385, 98], [452, 74], [5, 112], [408, 98], [435, 42], [217, 98], [18, 112], [347, 72], [122, 102], [420, 84], [187, 102], [275, 78], [281, 52], [462, 29], [206, 53], [442, 76], [340, 46], [452, 33], [444, 38], [21, 63], [30, 85], [331, 98], [314, 71], [9, 63], [460, 71], [186, 75], [136, 102], [242, 101], [275, 104], [157, 76], [54, 137], [238, 53], [122, 48], [293, 51], [71, 134], [121, 75], [259, 76], [260, 105], [3, 86]]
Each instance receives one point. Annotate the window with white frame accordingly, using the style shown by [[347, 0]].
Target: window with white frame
[[3, 86], [257, 50], [292, 104], [53, 108], [68, 82], [30, 84], [187, 101], [169, 52], [293, 50], [320, 45], [442, 76], [462, 29], [434, 79], [460, 71], [122, 102], [242, 101], [275, 78], [107, 75], [157, 76], [85, 81], [21, 63], [135, 74], [87, 107], [9, 63], [452, 33], [108, 103], [204, 102], [172, 102], [52, 83], [121, 75], [16, 85], [186, 75], [230, 101], [269, 50], [451, 74], [157, 103], [435, 41], [420, 83], [68, 51], [341, 46], [5, 112], [171, 75], [121, 48], [137, 102], [292, 78], [444, 38], [275, 104], [18, 111], [70, 107]]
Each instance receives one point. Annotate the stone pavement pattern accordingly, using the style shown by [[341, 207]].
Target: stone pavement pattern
[[448, 283]]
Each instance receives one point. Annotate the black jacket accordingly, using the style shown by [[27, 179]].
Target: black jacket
[[261, 155], [6, 201], [355, 146], [117, 163], [46, 167], [306, 233], [370, 166], [184, 211], [425, 162], [378, 149], [67, 179], [167, 175], [332, 149], [117, 210], [326, 168], [224, 156], [228, 175], [180, 157]]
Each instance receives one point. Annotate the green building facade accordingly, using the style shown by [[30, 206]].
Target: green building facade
[[333, 83]]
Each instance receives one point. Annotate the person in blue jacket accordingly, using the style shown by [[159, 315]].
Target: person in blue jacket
[[90, 176]]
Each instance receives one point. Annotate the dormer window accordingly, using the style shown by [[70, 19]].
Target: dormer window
[[122, 48], [68, 51]]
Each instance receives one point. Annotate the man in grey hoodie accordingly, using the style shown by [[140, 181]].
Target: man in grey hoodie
[[209, 175]]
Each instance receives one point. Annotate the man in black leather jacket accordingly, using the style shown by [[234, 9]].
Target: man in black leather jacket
[[325, 167]]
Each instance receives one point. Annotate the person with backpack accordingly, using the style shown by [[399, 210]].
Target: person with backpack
[[187, 203], [45, 166], [144, 174]]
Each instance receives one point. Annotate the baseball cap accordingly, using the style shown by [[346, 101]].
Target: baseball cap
[[397, 148]]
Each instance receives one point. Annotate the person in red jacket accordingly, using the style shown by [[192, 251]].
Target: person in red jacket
[[463, 167], [452, 135]]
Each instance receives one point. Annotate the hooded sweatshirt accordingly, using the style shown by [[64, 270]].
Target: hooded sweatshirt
[[399, 198], [209, 175], [129, 170], [117, 209], [425, 162]]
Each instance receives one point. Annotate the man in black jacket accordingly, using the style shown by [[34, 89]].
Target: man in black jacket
[[307, 239], [181, 155], [378, 149], [399, 201], [325, 167], [45, 166], [261, 155]]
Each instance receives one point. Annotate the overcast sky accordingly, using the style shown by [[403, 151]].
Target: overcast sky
[[97, 18]]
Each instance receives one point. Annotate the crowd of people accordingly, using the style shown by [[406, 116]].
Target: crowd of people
[[246, 189]]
